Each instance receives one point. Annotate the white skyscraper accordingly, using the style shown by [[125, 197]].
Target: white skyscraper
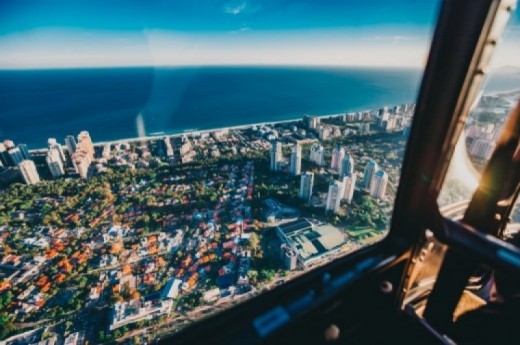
[[337, 157], [53, 145], [55, 163], [185, 146], [9, 144], [29, 172], [347, 166], [349, 184], [312, 122], [276, 156], [85, 144], [334, 196], [306, 184], [379, 182], [82, 162], [296, 160], [368, 176], [324, 132], [168, 148], [4, 156], [317, 154]]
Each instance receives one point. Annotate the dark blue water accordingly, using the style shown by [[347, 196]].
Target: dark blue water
[[36, 105]]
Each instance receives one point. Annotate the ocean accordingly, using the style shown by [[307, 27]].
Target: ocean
[[38, 104]]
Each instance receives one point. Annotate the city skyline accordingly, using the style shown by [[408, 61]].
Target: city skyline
[[64, 35]]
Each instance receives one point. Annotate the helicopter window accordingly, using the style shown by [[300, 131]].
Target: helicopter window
[[207, 206], [483, 127]]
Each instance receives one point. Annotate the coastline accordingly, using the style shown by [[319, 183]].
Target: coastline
[[191, 132]]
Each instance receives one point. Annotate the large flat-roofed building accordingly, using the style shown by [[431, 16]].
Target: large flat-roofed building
[[310, 240]]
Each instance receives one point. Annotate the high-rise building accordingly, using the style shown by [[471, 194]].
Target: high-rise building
[[334, 196], [185, 146], [106, 153], [168, 148], [482, 148], [391, 123], [276, 156], [55, 163], [312, 122], [15, 155], [71, 144], [347, 166], [324, 132], [54, 145], [317, 154], [4, 156], [306, 184], [349, 185], [85, 144], [24, 151], [9, 144], [337, 157], [82, 162], [379, 182], [370, 170], [296, 160], [29, 172]]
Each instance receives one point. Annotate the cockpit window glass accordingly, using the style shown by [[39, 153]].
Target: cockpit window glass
[[499, 96], [163, 161]]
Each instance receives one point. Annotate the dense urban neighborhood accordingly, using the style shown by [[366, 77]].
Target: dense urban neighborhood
[[151, 234]]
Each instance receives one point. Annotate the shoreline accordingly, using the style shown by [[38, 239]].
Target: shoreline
[[195, 131], [191, 132]]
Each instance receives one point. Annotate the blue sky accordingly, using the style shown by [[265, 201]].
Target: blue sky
[[70, 33]]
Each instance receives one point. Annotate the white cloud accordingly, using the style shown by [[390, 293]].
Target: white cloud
[[235, 7], [56, 49]]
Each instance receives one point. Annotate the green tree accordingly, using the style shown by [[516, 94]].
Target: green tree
[[117, 333], [6, 326], [5, 299], [252, 275], [254, 242], [267, 275]]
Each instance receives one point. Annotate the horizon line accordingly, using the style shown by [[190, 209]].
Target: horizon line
[[15, 68], [280, 65]]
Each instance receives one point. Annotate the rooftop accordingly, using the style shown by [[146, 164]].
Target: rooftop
[[296, 225], [309, 240]]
